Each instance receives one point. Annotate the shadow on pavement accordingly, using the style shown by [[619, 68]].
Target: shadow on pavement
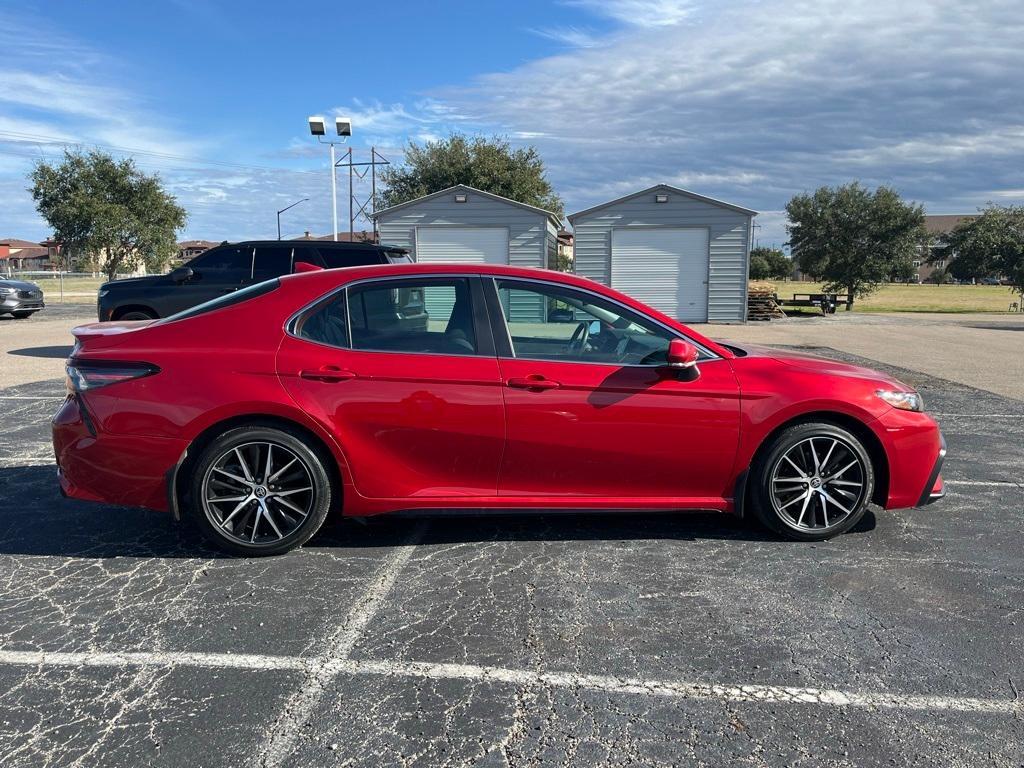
[[43, 523], [56, 352]]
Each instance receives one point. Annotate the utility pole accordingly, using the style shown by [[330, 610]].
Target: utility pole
[[361, 207]]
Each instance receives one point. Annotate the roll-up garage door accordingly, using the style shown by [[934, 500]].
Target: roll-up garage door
[[665, 267], [462, 245], [458, 245]]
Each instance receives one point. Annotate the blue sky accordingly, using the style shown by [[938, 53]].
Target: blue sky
[[750, 101]]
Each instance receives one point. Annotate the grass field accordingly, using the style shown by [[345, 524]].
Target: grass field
[[888, 298], [918, 298]]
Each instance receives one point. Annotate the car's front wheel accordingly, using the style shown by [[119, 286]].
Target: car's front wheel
[[259, 490], [813, 481]]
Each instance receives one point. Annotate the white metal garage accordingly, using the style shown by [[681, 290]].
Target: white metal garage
[[683, 253], [665, 267], [462, 245]]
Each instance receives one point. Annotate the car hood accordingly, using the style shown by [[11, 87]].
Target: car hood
[[133, 282], [817, 364], [21, 285]]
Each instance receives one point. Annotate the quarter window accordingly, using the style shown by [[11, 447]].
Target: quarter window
[[327, 324], [549, 322]]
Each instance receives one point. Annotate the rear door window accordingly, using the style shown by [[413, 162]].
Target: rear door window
[[226, 264], [419, 315], [272, 261]]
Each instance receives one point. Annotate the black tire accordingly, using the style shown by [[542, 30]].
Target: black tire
[[23, 315], [137, 314], [268, 537], [772, 470]]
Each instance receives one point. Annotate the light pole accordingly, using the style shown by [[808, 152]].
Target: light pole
[[318, 128], [285, 209]]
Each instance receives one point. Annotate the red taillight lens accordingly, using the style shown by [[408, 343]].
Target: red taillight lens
[[93, 374]]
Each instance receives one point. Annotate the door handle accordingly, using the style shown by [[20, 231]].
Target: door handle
[[328, 373], [533, 382]]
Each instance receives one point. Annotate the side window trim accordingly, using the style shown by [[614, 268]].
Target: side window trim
[[497, 315]]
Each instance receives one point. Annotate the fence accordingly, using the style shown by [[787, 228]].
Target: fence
[[57, 285]]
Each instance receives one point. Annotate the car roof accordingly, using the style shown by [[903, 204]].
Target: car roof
[[320, 244]]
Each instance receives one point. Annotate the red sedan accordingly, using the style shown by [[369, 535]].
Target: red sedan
[[374, 389]]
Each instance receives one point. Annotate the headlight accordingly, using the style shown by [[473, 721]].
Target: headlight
[[905, 401], [7, 291]]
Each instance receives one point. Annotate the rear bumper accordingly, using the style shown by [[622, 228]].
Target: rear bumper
[[127, 470]]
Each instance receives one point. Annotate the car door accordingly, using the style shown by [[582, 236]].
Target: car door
[[217, 271], [414, 401], [593, 411]]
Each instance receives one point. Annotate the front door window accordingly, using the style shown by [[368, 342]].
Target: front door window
[[554, 322]]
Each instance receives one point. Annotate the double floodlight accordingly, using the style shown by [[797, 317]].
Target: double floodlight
[[318, 125]]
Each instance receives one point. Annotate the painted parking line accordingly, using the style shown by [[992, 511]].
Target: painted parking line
[[671, 689], [977, 415], [984, 483], [27, 461], [33, 397], [304, 702]]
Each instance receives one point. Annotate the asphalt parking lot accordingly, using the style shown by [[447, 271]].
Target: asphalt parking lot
[[581, 640]]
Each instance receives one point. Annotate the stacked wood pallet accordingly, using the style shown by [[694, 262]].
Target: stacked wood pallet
[[761, 304]]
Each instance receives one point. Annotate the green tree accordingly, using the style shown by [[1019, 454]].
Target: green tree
[[490, 164], [853, 239], [992, 245], [108, 208], [769, 263]]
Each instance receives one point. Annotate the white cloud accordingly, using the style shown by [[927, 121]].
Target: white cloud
[[639, 13], [573, 37], [755, 100]]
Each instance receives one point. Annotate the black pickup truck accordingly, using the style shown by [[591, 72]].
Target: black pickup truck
[[228, 267]]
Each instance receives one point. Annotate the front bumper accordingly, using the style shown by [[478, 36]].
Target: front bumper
[[17, 303], [935, 489], [128, 470], [915, 448]]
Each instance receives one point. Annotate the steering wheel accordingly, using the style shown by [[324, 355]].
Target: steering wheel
[[580, 337]]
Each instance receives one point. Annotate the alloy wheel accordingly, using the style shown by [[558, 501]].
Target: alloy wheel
[[258, 493], [818, 483]]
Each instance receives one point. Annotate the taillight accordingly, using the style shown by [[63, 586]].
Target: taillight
[[83, 375]]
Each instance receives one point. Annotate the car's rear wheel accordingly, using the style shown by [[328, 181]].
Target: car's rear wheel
[[260, 490], [137, 314], [812, 482]]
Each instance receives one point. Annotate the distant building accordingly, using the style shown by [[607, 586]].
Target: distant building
[[22, 255], [363, 236], [565, 243], [189, 249], [938, 227]]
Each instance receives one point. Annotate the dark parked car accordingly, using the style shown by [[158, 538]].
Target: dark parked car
[[20, 298], [228, 267]]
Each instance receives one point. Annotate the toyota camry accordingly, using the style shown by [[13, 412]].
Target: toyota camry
[[377, 389]]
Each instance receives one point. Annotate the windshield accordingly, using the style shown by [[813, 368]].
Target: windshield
[[227, 300]]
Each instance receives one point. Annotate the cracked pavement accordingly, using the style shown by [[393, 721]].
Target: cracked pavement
[[583, 640]]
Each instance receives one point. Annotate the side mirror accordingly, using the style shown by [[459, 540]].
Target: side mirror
[[682, 354], [182, 274]]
